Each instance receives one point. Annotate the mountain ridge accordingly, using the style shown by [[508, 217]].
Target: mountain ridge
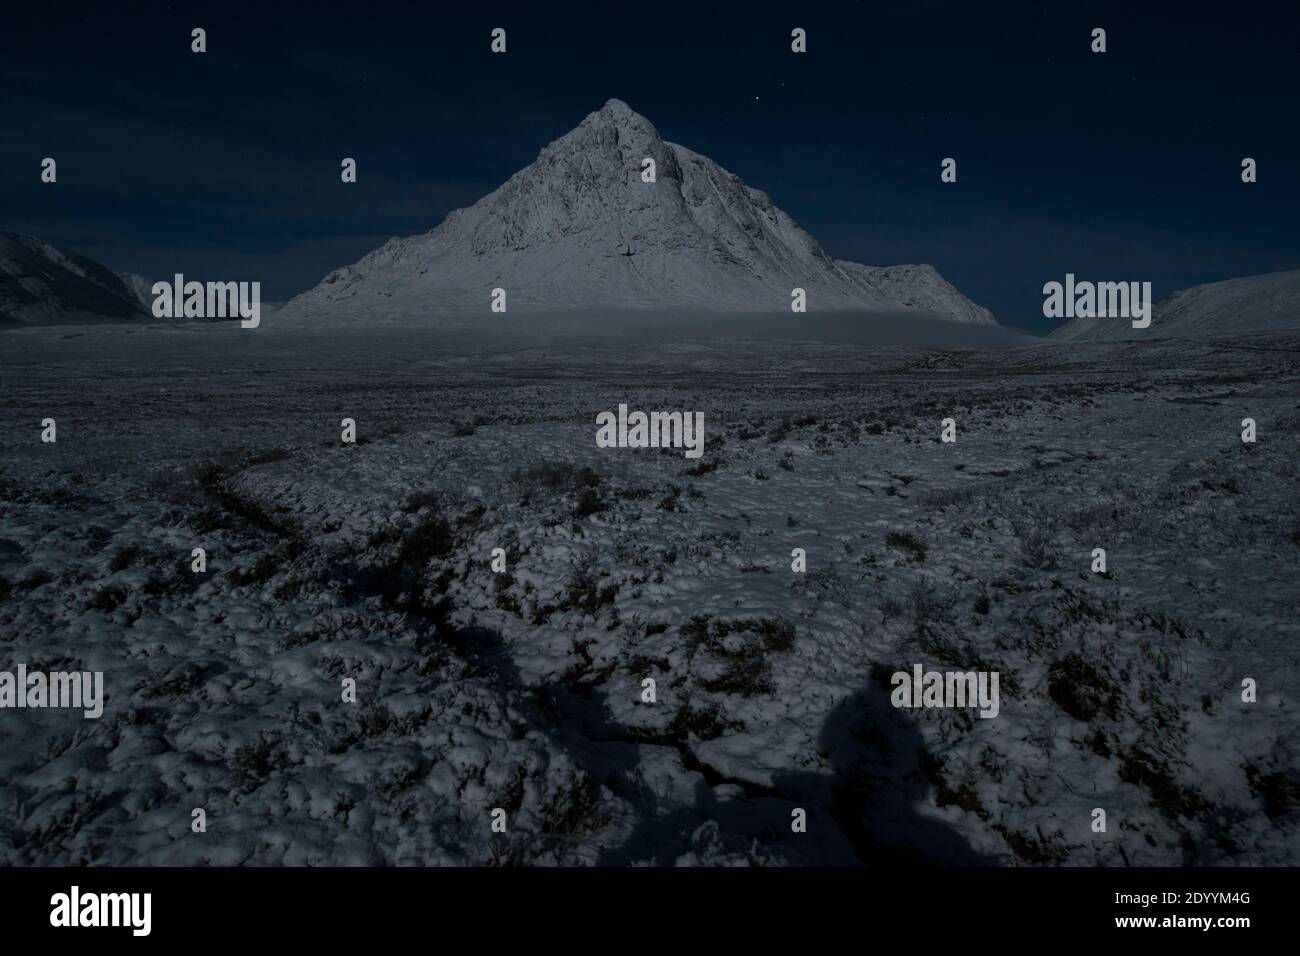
[[578, 228], [45, 284], [1260, 303]]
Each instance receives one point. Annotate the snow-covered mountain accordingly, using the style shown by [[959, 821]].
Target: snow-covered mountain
[[920, 287], [140, 287], [579, 229], [1263, 303], [41, 284]]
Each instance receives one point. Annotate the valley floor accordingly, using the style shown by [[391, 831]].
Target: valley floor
[[523, 690]]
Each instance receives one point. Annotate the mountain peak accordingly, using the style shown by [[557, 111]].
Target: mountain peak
[[615, 106], [588, 226], [611, 135], [616, 113]]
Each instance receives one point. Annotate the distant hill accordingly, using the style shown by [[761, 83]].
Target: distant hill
[[42, 284], [1263, 303]]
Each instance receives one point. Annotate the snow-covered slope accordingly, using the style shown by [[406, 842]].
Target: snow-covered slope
[[1263, 303], [579, 229], [920, 287], [41, 284], [140, 287]]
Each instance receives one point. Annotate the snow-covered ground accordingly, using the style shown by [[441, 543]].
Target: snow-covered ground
[[522, 690]]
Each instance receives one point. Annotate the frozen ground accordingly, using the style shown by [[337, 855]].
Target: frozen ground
[[522, 690]]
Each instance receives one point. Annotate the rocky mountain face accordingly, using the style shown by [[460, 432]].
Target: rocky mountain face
[[920, 287], [42, 284], [579, 229]]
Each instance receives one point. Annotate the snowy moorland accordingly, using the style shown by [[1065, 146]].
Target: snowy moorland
[[523, 690]]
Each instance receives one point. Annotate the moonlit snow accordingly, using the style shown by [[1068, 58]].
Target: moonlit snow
[[525, 689], [1263, 303], [580, 230], [522, 690], [41, 284]]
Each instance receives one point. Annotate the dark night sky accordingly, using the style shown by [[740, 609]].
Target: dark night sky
[[1122, 166]]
